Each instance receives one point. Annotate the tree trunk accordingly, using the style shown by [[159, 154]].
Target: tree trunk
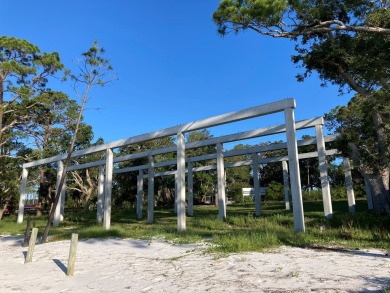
[[380, 195], [87, 201], [40, 197], [2, 211]]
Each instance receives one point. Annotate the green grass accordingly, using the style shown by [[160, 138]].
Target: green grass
[[241, 231]]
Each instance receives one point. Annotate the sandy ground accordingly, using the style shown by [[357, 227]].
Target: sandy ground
[[126, 265]]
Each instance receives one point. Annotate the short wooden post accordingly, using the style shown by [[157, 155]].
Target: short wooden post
[[31, 245], [72, 254]]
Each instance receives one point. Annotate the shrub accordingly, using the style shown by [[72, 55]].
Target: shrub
[[235, 191], [275, 191]]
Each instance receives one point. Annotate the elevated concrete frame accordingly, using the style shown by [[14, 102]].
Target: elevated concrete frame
[[285, 106]]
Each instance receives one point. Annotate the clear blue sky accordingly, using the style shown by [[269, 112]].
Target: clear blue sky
[[172, 65]]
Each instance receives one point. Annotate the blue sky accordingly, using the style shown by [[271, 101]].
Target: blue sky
[[172, 66]]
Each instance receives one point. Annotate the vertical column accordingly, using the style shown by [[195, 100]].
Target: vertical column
[[62, 201], [323, 166], [190, 190], [181, 184], [295, 180], [175, 200], [221, 183], [100, 195], [370, 205], [349, 185], [22, 196], [256, 184], [286, 185], [140, 193], [108, 190], [151, 190], [57, 213]]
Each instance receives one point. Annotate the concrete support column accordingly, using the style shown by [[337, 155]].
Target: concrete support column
[[323, 166], [100, 195], [221, 183], [286, 185], [349, 185], [140, 193], [62, 201], [181, 184], [175, 195], [190, 191], [22, 196], [108, 190], [370, 205], [256, 184], [57, 213], [151, 190], [295, 180]]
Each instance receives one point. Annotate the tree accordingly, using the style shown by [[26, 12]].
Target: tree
[[203, 182], [85, 181], [125, 187], [93, 71], [357, 132], [347, 42], [238, 177], [50, 126], [24, 73]]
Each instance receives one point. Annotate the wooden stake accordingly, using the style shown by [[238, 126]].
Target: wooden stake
[[72, 254], [31, 245]]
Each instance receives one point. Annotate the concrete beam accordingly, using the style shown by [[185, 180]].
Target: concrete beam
[[261, 110]]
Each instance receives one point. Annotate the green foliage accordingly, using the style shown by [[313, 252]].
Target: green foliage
[[24, 74], [235, 192], [354, 124], [275, 191]]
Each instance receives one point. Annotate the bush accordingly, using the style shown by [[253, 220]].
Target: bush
[[338, 192], [235, 192], [275, 191], [312, 195]]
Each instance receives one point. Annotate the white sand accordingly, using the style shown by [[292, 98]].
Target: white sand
[[117, 265]]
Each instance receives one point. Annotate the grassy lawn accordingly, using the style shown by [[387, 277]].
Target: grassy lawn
[[241, 231]]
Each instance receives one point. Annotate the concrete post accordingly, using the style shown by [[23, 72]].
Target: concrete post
[[370, 205], [100, 195], [62, 201], [57, 213], [323, 166], [221, 183], [190, 184], [175, 195], [140, 193], [286, 185], [295, 180], [256, 184], [22, 196], [349, 185], [181, 184], [108, 190], [151, 190]]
